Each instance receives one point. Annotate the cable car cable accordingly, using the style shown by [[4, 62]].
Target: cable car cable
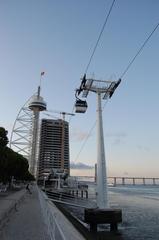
[[99, 37], [79, 103], [124, 72], [89, 133], [85, 141], [139, 51], [78, 91]]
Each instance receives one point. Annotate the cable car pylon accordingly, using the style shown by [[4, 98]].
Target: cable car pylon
[[105, 90]]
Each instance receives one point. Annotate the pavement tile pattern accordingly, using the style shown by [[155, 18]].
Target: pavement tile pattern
[[26, 223]]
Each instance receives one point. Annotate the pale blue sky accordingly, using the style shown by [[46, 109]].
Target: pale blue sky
[[57, 37]]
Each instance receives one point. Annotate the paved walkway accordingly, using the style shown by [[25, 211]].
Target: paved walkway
[[27, 222], [8, 204]]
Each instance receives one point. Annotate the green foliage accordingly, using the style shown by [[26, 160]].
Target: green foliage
[[12, 163], [29, 176], [3, 138]]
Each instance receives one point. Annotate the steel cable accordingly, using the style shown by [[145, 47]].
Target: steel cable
[[139, 51], [99, 37]]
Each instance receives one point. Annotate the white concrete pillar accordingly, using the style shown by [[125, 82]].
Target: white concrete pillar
[[102, 187]]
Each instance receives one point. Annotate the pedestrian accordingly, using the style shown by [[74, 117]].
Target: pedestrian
[[28, 189]]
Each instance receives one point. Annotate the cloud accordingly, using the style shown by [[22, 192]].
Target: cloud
[[116, 137], [143, 148], [80, 165], [117, 141], [116, 134], [79, 135]]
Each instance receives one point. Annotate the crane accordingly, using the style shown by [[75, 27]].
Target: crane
[[61, 113], [50, 115]]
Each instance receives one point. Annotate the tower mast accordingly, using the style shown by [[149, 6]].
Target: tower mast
[[37, 104]]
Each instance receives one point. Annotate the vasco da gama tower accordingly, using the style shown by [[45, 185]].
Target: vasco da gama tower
[[53, 147]]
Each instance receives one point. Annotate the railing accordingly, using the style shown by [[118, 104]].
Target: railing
[[53, 228], [71, 198]]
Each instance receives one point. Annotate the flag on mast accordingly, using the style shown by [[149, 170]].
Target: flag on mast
[[42, 73]]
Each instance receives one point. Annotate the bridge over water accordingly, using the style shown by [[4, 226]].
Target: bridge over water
[[124, 180]]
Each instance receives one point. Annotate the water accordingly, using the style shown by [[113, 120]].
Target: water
[[140, 210]]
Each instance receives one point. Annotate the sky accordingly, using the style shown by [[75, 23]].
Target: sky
[[58, 37]]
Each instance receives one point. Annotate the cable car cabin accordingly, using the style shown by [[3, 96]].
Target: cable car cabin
[[80, 106]]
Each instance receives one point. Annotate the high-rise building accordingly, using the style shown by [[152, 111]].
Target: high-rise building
[[53, 147]]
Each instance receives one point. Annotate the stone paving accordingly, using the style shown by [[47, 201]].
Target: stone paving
[[26, 222], [8, 204]]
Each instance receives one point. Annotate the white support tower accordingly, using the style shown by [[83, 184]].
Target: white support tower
[[25, 133], [36, 105], [21, 135], [103, 89], [102, 187]]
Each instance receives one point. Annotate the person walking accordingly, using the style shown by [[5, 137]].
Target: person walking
[[28, 189]]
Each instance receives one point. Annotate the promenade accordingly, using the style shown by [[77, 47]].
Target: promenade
[[22, 220]]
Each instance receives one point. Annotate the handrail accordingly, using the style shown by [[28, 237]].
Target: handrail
[[53, 228]]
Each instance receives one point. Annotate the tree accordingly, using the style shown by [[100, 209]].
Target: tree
[[3, 138], [11, 162], [3, 152]]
